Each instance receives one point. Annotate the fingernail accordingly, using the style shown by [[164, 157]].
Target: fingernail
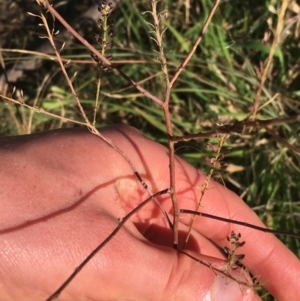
[[226, 289]]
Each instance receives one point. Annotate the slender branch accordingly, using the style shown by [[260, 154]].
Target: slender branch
[[197, 42], [63, 69], [227, 220], [173, 191], [157, 19], [237, 127], [206, 183], [215, 270], [41, 110], [105, 10], [100, 246]]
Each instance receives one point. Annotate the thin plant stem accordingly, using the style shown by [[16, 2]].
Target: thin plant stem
[[105, 12], [41, 110], [63, 69], [245, 224], [197, 42], [206, 183], [97, 100], [157, 20], [225, 272], [239, 128], [158, 31]]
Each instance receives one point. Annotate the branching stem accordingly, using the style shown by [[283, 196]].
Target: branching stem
[[196, 44]]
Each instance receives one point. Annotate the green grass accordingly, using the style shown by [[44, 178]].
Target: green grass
[[218, 85]]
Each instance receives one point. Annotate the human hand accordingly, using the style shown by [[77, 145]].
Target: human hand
[[62, 193]]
